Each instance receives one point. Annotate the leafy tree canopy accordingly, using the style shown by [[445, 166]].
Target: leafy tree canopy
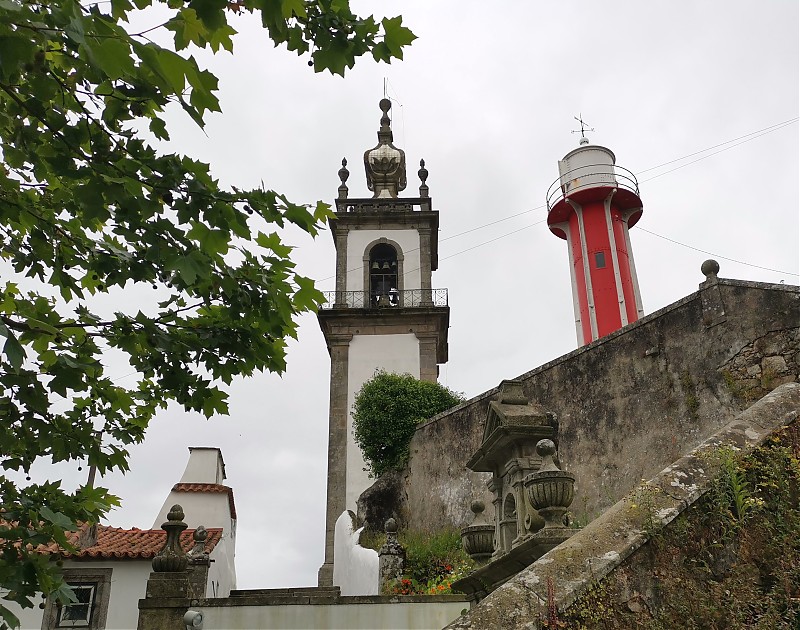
[[386, 412], [88, 207]]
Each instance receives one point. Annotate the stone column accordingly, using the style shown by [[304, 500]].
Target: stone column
[[425, 265], [713, 308], [495, 486], [339, 346], [199, 563], [341, 267], [428, 370]]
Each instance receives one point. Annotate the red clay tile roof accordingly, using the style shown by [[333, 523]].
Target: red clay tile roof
[[133, 544], [208, 487]]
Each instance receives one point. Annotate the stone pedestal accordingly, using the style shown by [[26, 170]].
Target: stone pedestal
[[391, 557], [168, 592]]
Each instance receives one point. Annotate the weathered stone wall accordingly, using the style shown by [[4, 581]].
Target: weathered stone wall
[[627, 404], [615, 545]]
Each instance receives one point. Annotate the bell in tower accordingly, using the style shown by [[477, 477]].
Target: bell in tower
[[384, 313]]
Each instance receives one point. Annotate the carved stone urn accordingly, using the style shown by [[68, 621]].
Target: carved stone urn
[[172, 558], [550, 490], [478, 538]]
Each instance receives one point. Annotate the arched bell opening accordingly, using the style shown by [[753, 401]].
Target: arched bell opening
[[384, 289]]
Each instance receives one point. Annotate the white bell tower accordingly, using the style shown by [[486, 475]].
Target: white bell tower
[[384, 313]]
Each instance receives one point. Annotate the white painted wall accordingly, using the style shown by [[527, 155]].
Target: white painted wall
[[417, 616], [128, 582], [205, 465], [222, 572], [393, 353], [356, 568], [209, 509], [357, 241]]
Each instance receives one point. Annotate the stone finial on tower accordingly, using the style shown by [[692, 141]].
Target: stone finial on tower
[[199, 538], [343, 175], [385, 164], [169, 580], [423, 178]]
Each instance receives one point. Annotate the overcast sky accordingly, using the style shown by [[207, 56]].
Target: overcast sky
[[487, 96]]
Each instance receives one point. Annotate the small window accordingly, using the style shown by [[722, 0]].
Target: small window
[[78, 614], [92, 588], [600, 260]]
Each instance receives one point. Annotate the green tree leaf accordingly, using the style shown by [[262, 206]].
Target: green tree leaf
[[90, 210], [56, 518]]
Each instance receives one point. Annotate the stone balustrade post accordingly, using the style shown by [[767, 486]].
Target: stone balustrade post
[[168, 591], [391, 556]]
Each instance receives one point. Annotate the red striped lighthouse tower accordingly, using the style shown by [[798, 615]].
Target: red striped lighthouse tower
[[592, 205]]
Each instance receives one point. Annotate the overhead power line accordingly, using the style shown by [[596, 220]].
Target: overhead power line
[[728, 144], [702, 251], [758, 133], [731, 146]]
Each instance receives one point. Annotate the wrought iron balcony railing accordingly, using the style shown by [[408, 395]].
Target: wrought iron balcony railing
[[409, 298]]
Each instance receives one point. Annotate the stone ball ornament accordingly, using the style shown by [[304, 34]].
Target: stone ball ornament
[[172, 558], [710, 269]]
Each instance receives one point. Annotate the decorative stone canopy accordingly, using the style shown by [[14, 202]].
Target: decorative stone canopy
[[385, 164], [531, 493], [513, 428]]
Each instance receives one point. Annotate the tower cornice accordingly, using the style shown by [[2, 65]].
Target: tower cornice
[[337, 324]]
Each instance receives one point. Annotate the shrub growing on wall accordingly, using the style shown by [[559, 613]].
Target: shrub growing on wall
[[387, 409]]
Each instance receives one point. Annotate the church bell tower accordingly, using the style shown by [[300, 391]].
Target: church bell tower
[[384, 313]]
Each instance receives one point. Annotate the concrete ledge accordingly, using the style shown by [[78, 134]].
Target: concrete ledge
[[272, 599], [595, 551]]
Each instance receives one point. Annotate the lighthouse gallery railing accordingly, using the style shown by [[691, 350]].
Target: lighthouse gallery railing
[[590, 176]]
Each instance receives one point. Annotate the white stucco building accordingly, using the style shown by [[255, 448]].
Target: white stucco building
[[109, 571]]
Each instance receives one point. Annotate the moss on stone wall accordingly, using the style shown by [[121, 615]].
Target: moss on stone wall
[[732, 561]]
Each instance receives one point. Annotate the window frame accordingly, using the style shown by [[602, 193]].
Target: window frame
[[600, 257], [100, 579]]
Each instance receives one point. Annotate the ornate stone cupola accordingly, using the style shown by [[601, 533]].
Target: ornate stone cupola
[[385, 313], [385, 164]]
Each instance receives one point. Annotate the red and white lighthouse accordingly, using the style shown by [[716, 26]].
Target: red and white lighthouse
[[592, 205]]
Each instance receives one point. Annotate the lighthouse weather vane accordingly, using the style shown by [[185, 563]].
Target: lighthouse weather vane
[[584, 127]]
